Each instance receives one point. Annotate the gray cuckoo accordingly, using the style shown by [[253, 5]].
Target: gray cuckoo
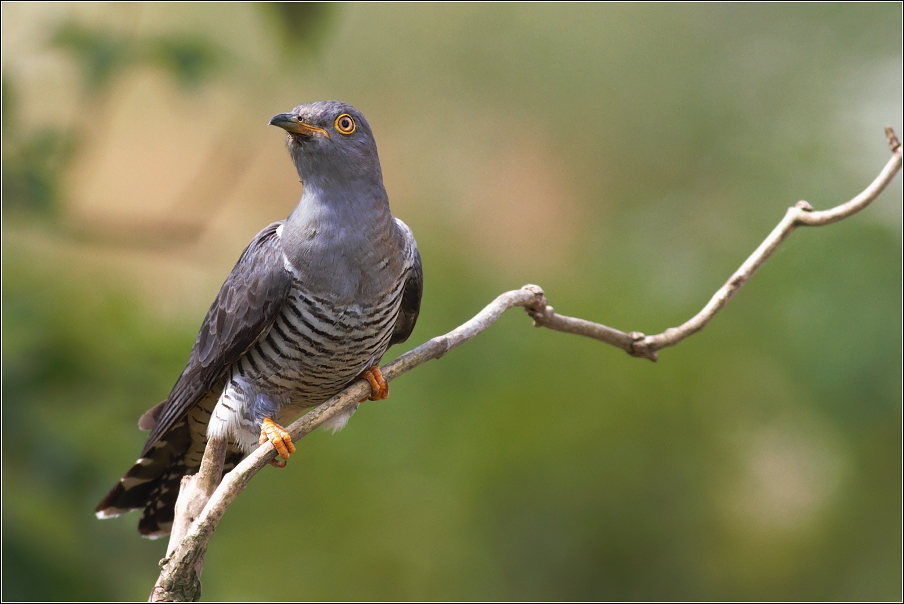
[[311, 306]]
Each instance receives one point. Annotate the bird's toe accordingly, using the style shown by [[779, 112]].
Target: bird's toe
[[379, 387], [277, 436]]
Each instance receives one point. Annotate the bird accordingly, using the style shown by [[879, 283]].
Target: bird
[[310, 307]]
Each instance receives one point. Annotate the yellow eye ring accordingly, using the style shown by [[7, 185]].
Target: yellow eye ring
[[345, 124]]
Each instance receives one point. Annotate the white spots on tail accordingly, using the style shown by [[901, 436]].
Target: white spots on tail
[[129, 482], [163, 530], [113, 512]]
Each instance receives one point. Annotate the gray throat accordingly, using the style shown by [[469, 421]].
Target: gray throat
[[336, 235]]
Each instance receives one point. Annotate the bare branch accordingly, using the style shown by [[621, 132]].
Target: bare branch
[[180, 574], [802, 214], [180, 577]]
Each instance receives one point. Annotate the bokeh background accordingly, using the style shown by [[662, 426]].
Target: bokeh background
[[625, 157]]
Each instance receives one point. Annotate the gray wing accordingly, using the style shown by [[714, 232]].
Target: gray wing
[[411, 295], [248, 303]]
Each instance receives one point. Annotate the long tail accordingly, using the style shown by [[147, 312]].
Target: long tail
[[152, 484]]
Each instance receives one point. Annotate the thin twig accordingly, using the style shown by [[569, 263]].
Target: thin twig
[[180, 571], [802, 214]]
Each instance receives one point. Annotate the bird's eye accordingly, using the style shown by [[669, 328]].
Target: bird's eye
[[345, 124]]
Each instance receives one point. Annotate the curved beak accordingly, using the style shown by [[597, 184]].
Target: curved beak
[[290, 123]]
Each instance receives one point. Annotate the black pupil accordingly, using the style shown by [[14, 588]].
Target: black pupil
[[345, 123]]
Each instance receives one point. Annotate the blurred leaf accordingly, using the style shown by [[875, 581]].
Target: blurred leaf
[[99, 54], [300, 26], [9, 102], [189, 59], [33, 165], [33, 170], [82, 371]]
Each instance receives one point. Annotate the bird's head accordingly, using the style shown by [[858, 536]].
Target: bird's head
[[330, 142]]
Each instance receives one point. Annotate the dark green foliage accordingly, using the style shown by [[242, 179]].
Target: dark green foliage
[[33, 163], [103, 55], [100, 55], [33, 169], [301, 27], [74, 357], [190, 60]]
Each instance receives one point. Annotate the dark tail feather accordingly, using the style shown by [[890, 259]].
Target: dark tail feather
[[152, 484], [157, 518], [156, 497]]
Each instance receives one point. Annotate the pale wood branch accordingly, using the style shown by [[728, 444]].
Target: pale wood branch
[[801, 214], [204, 506], [180, 577]]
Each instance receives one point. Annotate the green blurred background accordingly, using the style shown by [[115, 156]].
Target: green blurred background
[[625, 157]]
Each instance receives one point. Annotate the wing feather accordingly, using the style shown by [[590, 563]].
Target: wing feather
[[248, 303], [411, 295]]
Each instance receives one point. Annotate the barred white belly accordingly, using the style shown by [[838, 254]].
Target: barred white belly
[[311, 352]]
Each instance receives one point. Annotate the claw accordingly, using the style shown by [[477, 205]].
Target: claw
[[378, 386], [277, 436]]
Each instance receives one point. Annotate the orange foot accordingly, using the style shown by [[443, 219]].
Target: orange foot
[[378, 386], [277, 436]]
